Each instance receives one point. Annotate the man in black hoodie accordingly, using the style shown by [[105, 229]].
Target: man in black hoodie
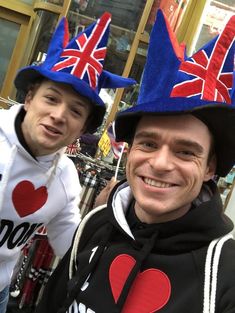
[[162, 242]]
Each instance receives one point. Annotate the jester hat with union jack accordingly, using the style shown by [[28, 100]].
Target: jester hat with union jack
[[78, 63], [203, 84]]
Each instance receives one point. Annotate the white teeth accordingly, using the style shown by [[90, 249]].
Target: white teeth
[[155, 183]]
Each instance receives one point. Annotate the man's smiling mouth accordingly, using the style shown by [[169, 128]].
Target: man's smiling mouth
[[155, 183], [53, 130]]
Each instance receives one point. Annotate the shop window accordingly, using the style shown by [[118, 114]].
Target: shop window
[[130, 94], [216, 15], [9, 33], [173, 9], [45, 23], [126, 15]]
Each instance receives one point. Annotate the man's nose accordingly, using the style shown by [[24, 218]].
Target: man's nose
[[162, 159], [59, 113]]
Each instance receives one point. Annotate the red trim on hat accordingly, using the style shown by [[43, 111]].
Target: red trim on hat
[[66, 33], [178, 48], [217, 60]]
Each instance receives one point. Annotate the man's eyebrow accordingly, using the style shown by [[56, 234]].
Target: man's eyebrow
[[190, 144], [147, 134], [54, 89], [76, 101]]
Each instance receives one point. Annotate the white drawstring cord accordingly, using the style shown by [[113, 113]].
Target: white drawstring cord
[[211, 266], [73, 255], [215, 266], [206, 300], [51, 172]]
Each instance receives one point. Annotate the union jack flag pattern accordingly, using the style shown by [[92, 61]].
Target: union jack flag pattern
[[210, 70], [84, 56], [117, 146]]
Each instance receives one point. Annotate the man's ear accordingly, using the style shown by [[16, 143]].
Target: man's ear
[[211, 168], [27, 100]]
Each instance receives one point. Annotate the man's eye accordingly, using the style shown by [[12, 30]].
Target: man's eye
[[186, 153], [148, 145], [50, 98], [76, 112]]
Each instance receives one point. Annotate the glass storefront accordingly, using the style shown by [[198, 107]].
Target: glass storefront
[[173, 9], [125, 13], [9, 34], [45, 24], [215, 16], [125, 19]]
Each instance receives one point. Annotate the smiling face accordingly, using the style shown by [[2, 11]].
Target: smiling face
[[167, 164], [55, 116]]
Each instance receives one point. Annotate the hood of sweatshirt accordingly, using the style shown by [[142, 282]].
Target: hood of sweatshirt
[[204, 222]]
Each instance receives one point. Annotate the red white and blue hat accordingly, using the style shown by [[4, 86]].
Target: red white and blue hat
[[203, 84], [78, 63]]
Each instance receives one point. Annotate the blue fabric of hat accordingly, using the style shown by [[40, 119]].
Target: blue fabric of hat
[[78, 63], [203, 85]]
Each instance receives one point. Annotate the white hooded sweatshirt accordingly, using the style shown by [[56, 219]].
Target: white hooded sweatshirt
[[33, 193]]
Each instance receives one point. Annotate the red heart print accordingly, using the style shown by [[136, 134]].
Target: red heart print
[[150, 291], [27, 199]]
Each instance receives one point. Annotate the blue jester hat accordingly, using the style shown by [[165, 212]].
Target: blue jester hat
[[78, 63], [203, 85]]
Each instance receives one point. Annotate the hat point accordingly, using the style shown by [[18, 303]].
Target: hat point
[[179, 49]]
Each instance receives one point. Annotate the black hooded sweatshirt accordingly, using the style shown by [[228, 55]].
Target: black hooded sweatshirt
[[119, 264]]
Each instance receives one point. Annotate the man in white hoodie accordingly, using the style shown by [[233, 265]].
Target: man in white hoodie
[[39, 185]]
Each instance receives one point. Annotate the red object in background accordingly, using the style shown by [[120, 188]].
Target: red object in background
[[173, 10], [40, 265]]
